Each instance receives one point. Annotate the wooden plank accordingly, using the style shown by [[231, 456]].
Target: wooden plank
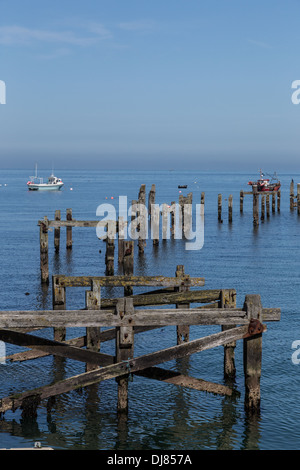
[[116, 370], [55, 347], [124, 281], [175, 378], [108, 318], [80, 342]]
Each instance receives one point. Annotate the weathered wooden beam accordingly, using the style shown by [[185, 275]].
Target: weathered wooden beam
[[228, 300], [80, 342], [55, 348], [128, 280], [140, 317], [175, 378], [178, 298], [116, 370]]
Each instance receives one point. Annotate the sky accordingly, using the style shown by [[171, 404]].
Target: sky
[[150, 84]]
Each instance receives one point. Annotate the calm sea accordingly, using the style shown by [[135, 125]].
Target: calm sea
[[261, 261]]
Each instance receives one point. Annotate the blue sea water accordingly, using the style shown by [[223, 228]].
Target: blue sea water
[[263, 260]]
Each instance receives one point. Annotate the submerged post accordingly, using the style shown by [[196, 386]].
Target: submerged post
[[124, 351], [268, 205], [298, 198], [128, 263], [93, 302], [253, 355], [69, 229], [273, 201], [59, 303], [57, 232], [220, 207], [278, 200], [44, 263], [183, 331], [230, 208], [109, 256], [228, 300], [241, 201], [255, 206], [263, 205], [292, 195]]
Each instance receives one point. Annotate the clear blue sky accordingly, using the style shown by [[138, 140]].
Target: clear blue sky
[[150, 84]]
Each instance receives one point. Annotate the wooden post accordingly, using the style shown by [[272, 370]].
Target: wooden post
[[69, 229], [263, 205], [124, 351], [241, 201], [202, 201], [93, 302], [57, 232], [109, 256], [230, 208], [268, 205], [273, 201], [128, 263], [59, 303], [141, 213], [292, 195], [220, 208], [121, 236], [278, 200], [252, 356], [255, 206], [298, 198], [172, 212], [155, 218], [44, 263], [151, 199], [183, 331], [228, 300]]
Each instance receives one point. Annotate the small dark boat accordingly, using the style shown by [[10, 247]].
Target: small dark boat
[[182, 186], [266, 184]]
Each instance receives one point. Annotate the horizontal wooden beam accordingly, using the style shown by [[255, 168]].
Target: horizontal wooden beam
[[127, 281], [108, 318], [167, 298], [131, 366]]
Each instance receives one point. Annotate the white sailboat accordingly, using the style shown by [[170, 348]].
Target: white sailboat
[[37, 184]]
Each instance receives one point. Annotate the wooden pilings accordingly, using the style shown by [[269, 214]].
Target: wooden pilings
[[127, 321]]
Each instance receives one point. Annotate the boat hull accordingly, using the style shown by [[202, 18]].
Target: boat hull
[[45, 187]]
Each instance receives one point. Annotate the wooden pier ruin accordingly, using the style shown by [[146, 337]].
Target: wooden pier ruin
[[169, 303], [130, 315]]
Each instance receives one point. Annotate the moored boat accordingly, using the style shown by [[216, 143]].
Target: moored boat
[[266, 184], [37, 184]]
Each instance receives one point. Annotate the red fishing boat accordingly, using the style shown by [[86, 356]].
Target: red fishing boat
[[266, 184]]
